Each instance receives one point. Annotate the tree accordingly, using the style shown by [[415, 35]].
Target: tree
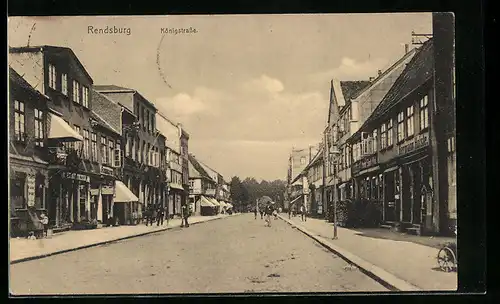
[[239, 194]]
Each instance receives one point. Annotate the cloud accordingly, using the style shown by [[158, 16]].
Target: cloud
[[350, 69], [264, 84]]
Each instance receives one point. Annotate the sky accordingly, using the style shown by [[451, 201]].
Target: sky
[[247, 88]]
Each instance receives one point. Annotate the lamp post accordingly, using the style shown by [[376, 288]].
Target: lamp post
[[333, 151]]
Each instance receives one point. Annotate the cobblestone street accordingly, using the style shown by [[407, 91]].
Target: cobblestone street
[[236, 254]]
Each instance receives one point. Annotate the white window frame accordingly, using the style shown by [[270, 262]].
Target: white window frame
[[52, 77], [76, 92], [39, 127], [64, 84], [424, 113], [410, 121], [85, 96], [401, 127], [390, 133]]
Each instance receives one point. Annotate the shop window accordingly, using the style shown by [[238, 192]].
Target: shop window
[[374, 188], [424, 113], [18, 191], [410, 121], [39, 128], [19, 122], [39, 191], [401, 127], [64, 84], [83, 200], [389, 133]]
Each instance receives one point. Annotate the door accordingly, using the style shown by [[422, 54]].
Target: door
[[417, 205], [390, 197], [406, 194]]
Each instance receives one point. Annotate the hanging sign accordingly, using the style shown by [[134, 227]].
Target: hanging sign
[[30, 181]]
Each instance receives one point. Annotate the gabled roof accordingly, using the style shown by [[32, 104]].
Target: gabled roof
[[111, 88], [103, 123], [418, 71], [199, 167], [352, 88], [317, 158], [19, 80], [348, 90], [53, 48]]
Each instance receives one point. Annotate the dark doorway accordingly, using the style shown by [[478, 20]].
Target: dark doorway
[[390, 201]]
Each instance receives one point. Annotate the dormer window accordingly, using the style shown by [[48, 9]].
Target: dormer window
[[52, 77]]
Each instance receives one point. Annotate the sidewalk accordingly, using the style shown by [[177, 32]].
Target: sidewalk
[[406, 260], [22, 249]]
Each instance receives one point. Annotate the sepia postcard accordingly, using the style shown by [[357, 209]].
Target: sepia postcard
[[232, 154]]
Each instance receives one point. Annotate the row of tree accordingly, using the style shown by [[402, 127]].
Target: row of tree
[[244, 194]]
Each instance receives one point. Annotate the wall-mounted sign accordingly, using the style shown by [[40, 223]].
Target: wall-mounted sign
[[75, 176], [417, 142], [107, 170], [30, 181], [107, 190], [364, 163]]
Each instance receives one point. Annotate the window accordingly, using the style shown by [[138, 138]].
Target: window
[[401, 126], [148, 155], [19, 123], [52, 77], [118, 155], [191, 184], [85, 96], [409, 121], [383, 136], [143, 155], [143, 117], [111, 155], [18, 191], [302, 160], [76, 91], [389, 133], [104, 150], [86, 144], [39, 129], [424, 113], [94, 146], [374, 141], [77, 145], [64, 84]]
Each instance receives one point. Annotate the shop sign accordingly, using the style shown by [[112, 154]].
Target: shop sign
[[417, 142], [94, 191], [107, 170], [364, 163], [210, 192], [107, 190], [30, 181], [75, 176]]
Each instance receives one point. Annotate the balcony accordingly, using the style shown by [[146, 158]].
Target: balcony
[[175, 166]]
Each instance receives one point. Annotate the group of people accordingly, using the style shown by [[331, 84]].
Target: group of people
[[156, 213], [268, 211], [302, 211]]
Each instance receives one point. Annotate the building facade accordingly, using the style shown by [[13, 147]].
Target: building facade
[[298, 187], [202, 188], [142, 170]]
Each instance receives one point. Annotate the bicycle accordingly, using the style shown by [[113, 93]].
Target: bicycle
[[447, 256]]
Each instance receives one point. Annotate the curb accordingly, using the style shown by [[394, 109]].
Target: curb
[[383, 277], [36, 257]]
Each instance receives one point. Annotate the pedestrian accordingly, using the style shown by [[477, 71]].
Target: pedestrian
[[44, 219], [159, 215], [303, 216], [269, 211], [261, 214], [185, 215], [255, 212], [290, 213]]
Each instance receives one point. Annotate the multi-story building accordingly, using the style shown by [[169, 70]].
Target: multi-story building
[[184, 162], [351, 103], [58, 73], [395, 166], [144, 176], [115, 200], [217, 193], [28, 168], [202, 188], [298, 187]]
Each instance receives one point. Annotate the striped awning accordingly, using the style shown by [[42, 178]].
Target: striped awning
[[123, 194], [214, 201], [205, 202]]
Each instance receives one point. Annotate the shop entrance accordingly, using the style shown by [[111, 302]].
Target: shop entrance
[[406, 195], [390, 197]]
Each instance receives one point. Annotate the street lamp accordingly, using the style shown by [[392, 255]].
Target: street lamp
[[333, 151]]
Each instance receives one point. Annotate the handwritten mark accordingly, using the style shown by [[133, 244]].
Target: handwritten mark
[[158, 62], [33, 28]]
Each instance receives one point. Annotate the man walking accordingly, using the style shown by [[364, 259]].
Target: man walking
[[159, 215], [255, 212], [269, 211], [185, 215], [303, 213]]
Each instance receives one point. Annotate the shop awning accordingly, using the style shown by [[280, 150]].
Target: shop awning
[[229, 205], [215, 202], [59, 129], [123, 194], [391, 169], [204, 202]]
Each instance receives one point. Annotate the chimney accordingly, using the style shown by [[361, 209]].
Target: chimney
[[407, 47], [379, 72]]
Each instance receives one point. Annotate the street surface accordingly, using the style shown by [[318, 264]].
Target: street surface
[[232, 255]]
